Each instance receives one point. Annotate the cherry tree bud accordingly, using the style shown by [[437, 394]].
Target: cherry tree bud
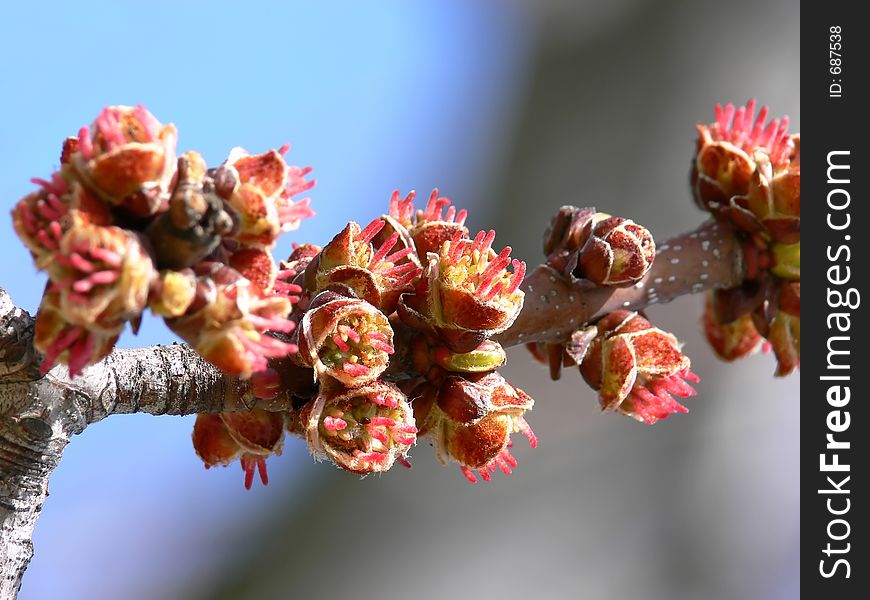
[[724, 166], [102, 275], [377, 274]]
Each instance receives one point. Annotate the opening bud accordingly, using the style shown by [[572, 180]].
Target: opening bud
[[637, 368], [362, 430], [618, 252], [347, 339]]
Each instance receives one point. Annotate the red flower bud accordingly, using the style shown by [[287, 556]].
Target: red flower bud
[[249, 436], [347, 339], [259, 189], [472, 421], [724, 164], [69, 343], [362, 430], [102, 274], [376, 273], [618, 252], [228, 321], [636, 368], [467, 293], [128, 158]]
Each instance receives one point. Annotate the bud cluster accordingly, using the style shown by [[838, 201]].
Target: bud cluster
[[421, 275], [125, 224], [747, 173]]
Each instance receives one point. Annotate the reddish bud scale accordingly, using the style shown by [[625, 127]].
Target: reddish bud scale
[[472, 419], [732, 340], [249, 436], [362, 430], [346, 339]]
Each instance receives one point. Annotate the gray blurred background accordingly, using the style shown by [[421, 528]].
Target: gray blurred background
[[588, 103]]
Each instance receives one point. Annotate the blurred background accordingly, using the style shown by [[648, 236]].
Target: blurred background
[[512, 109]]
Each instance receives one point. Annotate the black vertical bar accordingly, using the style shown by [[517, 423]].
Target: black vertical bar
[[835, 235]]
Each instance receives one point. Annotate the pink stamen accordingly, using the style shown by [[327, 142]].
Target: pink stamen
[[398, 255], [517, 277], [149, 123], [383, 422], [79, 262], [505, 468], [80, 353], [355, 369], [99, 278], [261, 468], [371, 230], [55, 230], [469, 475], [334, 424], [248, 467], [403, 461], [384, 400], [526, 430], [284, 149], [350, 333], [342, 345], [451, 213], [461, 216], [370, 456], [508, 457], [407, 440], [85, 146], [431, 205], [382, 346], [45, 240], [109, 257], [408, 278], [484, 474], [271, 323], [398, 270], [493, 269], [492, 293], [383, 250], [378, 434], [63, 341]]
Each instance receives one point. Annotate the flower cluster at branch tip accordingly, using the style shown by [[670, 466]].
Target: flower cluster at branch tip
[[747, 173], [124, 224], [417, 274]]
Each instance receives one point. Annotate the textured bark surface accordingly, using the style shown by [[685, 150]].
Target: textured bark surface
[[39, 414]]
